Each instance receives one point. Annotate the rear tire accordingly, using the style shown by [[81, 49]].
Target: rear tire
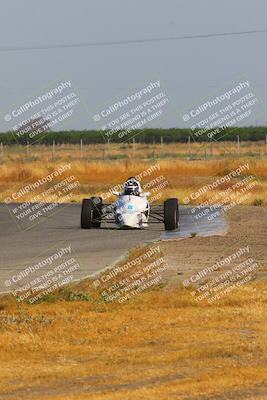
[[171, 214], [91, 210]]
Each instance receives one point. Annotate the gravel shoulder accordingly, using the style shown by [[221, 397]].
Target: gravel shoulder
[[247, 227]]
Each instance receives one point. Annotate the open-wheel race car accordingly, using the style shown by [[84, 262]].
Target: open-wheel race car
[[130, 210]]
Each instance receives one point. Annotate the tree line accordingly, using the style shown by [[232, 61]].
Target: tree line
[[148, 135]]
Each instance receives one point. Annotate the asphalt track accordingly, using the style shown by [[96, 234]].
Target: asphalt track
[[94, 249]]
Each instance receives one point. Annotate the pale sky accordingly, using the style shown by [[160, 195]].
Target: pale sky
[[188, 69]]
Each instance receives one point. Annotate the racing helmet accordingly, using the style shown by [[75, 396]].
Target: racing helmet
[[132, 187]]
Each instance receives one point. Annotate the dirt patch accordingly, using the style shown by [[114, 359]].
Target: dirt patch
[[247, 227]]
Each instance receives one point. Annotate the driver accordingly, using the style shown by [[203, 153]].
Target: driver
[[132, 187]]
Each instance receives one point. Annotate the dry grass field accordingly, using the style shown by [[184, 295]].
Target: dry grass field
[[161, 344], [97, 175]]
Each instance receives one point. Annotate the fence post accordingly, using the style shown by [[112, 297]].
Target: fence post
[[1, 150], [238, 146], [81, 148], [53, 149], [28, 149], [189, 147], [161, 140], [133, 148]]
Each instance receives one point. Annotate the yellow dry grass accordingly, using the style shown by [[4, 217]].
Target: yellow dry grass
[[160, 345], [96, 176]]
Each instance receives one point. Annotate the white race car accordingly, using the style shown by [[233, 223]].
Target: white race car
[[130, 210]]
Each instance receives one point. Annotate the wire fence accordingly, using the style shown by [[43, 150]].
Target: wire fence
[[138, 151]]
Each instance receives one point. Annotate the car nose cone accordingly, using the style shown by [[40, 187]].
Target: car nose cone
[[129, 220]]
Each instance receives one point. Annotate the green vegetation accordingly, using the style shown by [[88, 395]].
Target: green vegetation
[[145, 136], [257, 202]]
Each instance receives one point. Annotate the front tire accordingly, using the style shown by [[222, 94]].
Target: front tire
[[171, 214], [86, 214], [91, 210]]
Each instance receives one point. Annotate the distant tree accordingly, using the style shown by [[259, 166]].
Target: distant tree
[[32, 129]]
